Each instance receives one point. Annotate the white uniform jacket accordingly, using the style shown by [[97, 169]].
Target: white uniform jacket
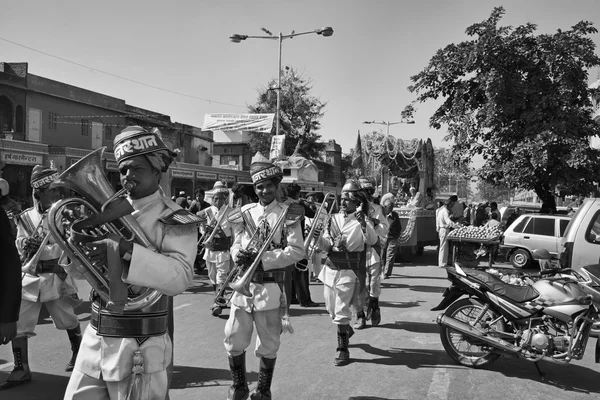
[[267, 296], [168, 270], [375, 211], [214, 214], [353, 240], [49, 286]]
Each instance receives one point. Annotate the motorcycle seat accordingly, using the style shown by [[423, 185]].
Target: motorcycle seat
[[516, 293]]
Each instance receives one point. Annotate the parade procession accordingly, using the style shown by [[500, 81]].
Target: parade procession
[[336, 200]]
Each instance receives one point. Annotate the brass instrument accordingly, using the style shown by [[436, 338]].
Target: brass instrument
[[215, 223], [242, 284], [310, 243], [23, 221], [110, 212]]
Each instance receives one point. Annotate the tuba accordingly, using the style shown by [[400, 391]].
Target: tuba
[[100, 210]]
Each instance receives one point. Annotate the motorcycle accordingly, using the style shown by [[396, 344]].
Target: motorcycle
[[550, 319]]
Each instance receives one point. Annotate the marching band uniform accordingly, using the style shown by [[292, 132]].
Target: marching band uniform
[[370, 283], [125, 354], [266, 308], [48, 284], [217, 257], [339, 274]]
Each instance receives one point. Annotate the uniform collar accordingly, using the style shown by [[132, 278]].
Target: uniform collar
[[144, 201]]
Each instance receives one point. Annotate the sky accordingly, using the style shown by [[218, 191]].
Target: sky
[[362, 72]]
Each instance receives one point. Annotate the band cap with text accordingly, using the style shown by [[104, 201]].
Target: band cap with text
[[261, 169], [42, 176], [134, 141]]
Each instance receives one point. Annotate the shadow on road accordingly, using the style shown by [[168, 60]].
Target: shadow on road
[[370, 398], [419, 327], [411, 358], [415, 288], [408, 304], [200, 287], [186, 377], [41, 387]]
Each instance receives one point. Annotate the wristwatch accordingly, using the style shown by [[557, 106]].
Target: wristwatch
[[127, 256]]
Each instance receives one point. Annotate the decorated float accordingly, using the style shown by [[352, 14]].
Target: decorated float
[[405, 163]]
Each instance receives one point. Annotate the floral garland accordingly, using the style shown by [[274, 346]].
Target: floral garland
[[410, 227]]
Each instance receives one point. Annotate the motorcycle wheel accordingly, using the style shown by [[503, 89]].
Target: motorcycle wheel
[[466, 350]]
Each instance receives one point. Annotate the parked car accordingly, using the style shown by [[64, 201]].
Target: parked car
[[530, 232], [580, 244]]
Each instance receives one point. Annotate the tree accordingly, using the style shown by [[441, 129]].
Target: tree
[[299, 116], [521, 101], [496, 193], [450, 175]]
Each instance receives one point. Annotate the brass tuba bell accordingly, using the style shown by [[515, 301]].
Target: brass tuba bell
[[87, 178]]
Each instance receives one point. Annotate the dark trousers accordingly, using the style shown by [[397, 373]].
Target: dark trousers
[[388, 255], [297, 285]]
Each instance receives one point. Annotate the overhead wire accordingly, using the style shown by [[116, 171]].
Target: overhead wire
[[121, 77]]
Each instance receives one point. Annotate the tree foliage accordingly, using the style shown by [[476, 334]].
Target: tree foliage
[[451, 175], [521, 101], [498, 193], [300, 115]]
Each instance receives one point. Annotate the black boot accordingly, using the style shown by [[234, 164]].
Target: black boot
[[342, 356], [265, 376], [239, 388], [369, 313], [75, 339], [376, 314], [21, 372]]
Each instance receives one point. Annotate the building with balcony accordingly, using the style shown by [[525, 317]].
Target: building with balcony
[[43, 120]]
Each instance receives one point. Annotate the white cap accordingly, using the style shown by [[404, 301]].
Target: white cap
[[4, 188]]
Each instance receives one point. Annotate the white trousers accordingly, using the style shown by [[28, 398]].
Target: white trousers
[[60, 310], [337, 301], [84, 387], [443, 250], [239, 327], [218, 271]]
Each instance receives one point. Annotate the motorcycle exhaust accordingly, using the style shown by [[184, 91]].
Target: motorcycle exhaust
[[468, 330]]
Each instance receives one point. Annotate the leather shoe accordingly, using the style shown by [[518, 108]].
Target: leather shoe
[[311, 304]]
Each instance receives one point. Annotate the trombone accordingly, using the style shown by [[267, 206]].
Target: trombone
[[310, 243]]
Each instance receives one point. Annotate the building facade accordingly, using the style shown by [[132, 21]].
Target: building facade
[[42, 120]]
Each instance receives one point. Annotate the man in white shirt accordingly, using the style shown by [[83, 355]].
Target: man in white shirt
[[443, 224]]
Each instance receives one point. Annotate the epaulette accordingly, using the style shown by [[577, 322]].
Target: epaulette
[[235, 215], [178, 216]]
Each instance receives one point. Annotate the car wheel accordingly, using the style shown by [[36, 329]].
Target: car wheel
[[520, 258]]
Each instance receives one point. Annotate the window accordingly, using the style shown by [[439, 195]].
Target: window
[[592, 233], [563, 226], [85, 127], [107, 132], [540, 226], [52, 121], [229, 160], [521, 225]]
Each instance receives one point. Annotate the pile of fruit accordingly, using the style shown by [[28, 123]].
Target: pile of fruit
[[476, 232]]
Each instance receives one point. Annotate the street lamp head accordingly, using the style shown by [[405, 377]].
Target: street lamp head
[[412, 121], [237, 38], [326, 31], [368, 122]]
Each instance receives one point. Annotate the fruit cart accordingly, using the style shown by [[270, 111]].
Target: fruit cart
[[469, 245]]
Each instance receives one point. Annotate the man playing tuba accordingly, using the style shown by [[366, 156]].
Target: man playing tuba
[[125, 355], [43, 281], [266, 305]]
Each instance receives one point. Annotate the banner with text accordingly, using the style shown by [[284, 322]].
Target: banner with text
[[277, 143], [239, 122]]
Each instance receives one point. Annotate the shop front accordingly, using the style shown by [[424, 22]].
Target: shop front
[[182, 181], [17, 160], [205, 180], [230, 179]]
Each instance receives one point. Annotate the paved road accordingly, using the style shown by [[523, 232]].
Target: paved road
[[400, 359]]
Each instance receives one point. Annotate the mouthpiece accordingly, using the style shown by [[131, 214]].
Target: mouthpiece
[[129, 186]]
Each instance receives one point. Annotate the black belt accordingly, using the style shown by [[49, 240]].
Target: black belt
[[129, 325], [343, 260], [221, 244], [48, 267], [268, 277]]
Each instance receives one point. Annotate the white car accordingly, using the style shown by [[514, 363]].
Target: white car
[[530, 232]]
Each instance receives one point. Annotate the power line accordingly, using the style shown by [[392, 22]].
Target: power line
[[121, 77]]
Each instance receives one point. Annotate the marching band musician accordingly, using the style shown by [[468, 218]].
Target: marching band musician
[[45, 282], [370, 279], [266, 307], [345, 238], [125, 356], [217, 257]]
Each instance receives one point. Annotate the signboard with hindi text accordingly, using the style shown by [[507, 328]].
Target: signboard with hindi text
[[239, 122], [21, 158], [180, 173]]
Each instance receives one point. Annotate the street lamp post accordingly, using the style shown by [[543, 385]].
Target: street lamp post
[[236, 38], [387, 124]]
